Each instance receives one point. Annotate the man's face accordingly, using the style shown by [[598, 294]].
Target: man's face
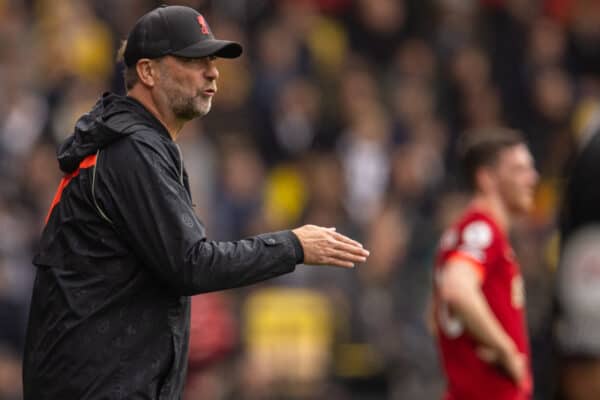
[[516, 178], [188, 85]]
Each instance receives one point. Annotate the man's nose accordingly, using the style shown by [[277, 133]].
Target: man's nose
[[211, 72]]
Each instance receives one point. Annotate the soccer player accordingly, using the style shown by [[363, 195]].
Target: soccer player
[[478, 294]]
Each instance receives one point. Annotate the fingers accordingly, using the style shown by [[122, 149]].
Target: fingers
[[514, 367], [345, 239], [521, 370], [351, 249], [517, 369], [346, 244], [339, 258], [347, 255], [346, 249], [336, 262]]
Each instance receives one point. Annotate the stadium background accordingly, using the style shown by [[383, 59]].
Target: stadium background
[[340, 113]]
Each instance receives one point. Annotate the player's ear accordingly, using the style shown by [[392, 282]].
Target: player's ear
[[147, 72], [484, 178]]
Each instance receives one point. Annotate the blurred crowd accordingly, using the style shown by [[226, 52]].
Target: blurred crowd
[[341, 113]]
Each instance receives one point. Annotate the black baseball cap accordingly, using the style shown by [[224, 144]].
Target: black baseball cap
[[176, 30]]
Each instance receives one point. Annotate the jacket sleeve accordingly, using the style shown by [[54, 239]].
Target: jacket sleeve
[[154, 214]]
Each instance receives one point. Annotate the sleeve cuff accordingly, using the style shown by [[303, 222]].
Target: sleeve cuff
[[297, 247]]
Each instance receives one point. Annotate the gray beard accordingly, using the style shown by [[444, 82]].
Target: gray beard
[[185, 109]]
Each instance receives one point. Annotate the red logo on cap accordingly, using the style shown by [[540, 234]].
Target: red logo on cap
[[203, 25]]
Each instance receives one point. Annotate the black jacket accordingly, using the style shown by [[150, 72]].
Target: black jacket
[[120, 254]]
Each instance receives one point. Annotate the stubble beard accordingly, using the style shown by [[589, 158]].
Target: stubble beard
[[188, 108]]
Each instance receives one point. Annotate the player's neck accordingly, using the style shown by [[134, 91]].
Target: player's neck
[[164, 116], [494, 207]]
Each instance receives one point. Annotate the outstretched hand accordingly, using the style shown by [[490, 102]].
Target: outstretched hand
[[324, 246]]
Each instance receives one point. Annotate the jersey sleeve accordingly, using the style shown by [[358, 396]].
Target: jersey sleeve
[[472, 243]]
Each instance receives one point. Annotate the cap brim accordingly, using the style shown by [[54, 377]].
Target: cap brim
[[211, 47]]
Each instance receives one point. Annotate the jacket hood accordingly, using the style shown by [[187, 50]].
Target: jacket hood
[[112, 118]]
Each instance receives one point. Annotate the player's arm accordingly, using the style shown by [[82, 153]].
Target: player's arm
[[460, 288]]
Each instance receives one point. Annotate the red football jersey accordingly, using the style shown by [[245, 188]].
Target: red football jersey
[[477, 239]]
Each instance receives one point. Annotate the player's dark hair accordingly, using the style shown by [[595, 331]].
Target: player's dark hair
[[481, 149]]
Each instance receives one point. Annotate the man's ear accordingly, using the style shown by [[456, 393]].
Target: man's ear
[[485, 178], [147, 72]]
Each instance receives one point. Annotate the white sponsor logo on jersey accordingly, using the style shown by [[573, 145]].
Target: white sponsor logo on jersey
[[477, 235]]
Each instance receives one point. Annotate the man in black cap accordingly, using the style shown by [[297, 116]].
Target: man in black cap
[[123, 250]]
